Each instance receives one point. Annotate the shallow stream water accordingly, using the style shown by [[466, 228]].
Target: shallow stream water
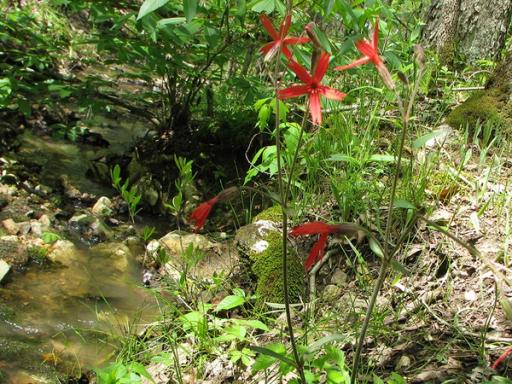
[[59, 319]]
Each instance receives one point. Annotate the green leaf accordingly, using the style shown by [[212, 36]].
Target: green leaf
[[253, 324], [315, 346], [344, 158], [422, 140], [140, 370], [190, 9], [272, 355], [334, 376], [150, 6], [259, 6], [383, 158], [230, 302], [375, 247], [170, 21], [400, 203]]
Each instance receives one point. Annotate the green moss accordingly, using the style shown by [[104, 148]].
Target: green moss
[[485, 107], [268, 268], [37, 253], [273, 214]]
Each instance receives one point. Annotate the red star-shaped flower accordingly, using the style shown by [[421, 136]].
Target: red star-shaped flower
[[370, 51], [316, 228], [280, 39], [312, 86]]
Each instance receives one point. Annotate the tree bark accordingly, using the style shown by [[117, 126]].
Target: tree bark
[[472, 29]]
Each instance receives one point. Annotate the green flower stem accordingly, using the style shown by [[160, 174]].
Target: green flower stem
[[283, 194]]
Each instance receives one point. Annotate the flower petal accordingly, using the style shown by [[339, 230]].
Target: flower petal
[[355, 63], [311, 228], [332, 93], [267, 47], [316, 253], [300, 71], [268, 26], [296, 40], [315, 108], [293, 91], [286, 52], [201, 213], [285, 26], [321, 67], [365, 48]]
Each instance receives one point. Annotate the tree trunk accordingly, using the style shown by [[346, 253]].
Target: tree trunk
[[472, 29]]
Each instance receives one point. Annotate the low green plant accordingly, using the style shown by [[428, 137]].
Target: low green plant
[[147, 233], [119, 373], [37, 253], [129, 194]]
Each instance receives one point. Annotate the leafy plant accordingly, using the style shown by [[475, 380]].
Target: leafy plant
[[129, 194], [119, 373]]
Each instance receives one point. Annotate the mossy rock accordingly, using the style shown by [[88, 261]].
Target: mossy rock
[[490, 106], [261, 243], [268, 268], [273, 214]]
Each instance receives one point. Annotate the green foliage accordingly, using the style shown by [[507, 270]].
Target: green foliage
[[183, 183], [119, 373], [147, 233], [129, 194], [37, 253]]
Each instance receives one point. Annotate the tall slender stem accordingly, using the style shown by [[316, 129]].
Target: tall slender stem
[[388, 254], [283, 194]]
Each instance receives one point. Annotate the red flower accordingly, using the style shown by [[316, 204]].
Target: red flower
[[370, 51], [200, 214], [316, 228], [280, 39], [502, 357], [312, 86]]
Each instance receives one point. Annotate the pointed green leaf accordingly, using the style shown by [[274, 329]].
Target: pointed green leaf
[[150, 6], [190, 9]]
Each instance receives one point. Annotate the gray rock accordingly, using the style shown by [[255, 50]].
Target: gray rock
[[102, 207], [63, 252], [36, 228], [45, 222], [82, 220], [152, 248], [10, 226], [339, 278]]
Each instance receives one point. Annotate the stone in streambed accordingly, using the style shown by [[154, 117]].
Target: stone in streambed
[[4, 269], [102, 207]]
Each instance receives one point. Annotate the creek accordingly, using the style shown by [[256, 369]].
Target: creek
[[60, 319]]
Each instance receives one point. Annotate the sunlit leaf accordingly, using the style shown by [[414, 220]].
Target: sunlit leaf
[[150, 6]]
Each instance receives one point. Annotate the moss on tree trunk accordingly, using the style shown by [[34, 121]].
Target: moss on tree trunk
[[492, 106]]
